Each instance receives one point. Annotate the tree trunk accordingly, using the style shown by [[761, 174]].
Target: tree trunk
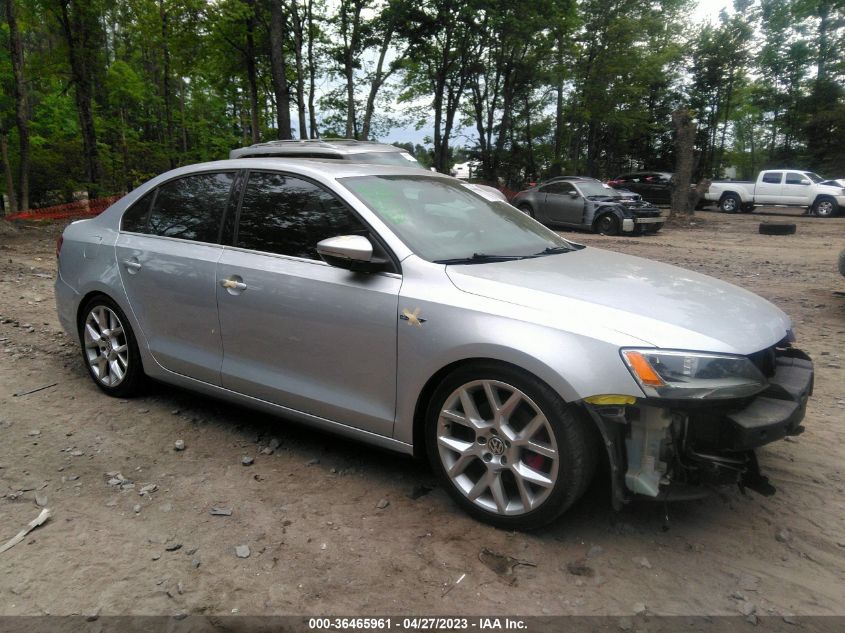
[[312, 73], [300, 75], [278, 69], [375, 85], [252, 73], [7, 172], [168, 106], [351, 33], [76, 30], [21, 110], [684, 200]]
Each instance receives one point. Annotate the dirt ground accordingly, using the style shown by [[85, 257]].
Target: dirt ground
[[310, 511]]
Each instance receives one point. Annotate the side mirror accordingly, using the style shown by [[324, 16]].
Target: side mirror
[[574, 194], [352, 252], [805, 181]]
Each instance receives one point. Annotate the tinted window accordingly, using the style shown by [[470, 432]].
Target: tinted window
[[135, 218], [287, 215], [795, 179], [557, 187], [191, 208], [772, 177]]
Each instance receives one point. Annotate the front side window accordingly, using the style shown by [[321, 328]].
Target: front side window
[[773, 177], [443, 220], [557, 187], [793, 178], [191, 208], [287, 215]]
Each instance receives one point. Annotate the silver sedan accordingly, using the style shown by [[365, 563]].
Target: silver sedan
[[404, 309]]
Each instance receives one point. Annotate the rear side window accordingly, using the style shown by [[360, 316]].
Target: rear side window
[[773, 177], [287, 215], [191, 208], [135, 218]]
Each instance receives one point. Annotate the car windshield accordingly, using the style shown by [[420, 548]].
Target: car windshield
[[403, 159], [814, 177], [443, 220], [589, 188]]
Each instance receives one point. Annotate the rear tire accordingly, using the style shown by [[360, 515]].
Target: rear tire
[[109, 349], [730, 203], [506, 447], [527, 210]]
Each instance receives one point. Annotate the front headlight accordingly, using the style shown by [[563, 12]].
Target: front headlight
[[678, 374]]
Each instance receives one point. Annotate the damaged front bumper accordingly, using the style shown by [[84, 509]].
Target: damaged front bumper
[[677, 449]]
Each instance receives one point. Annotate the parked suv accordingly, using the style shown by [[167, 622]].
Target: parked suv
[[653, 186], [345, 149]]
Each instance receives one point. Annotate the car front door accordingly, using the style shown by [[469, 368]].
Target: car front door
[[796, 189], [296, 331], [167, 254], [562, 203]]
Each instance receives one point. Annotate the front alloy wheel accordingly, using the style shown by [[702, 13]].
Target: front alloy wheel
[[507, 448], [497, 447]]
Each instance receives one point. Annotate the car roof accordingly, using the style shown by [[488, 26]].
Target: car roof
[[340, 147]]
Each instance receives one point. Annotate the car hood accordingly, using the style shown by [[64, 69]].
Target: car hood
[[657, 303]]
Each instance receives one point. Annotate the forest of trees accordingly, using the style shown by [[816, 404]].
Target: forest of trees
[[100, 95]]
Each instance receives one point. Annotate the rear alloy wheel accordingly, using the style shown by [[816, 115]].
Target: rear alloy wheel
[[607, 225], [527, 210], [824, 207], [730, 203], [109, 348], [508, 450]]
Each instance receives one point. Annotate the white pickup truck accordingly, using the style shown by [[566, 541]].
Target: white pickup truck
[[792, 187]]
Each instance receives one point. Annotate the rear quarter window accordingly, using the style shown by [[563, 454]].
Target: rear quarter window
[[135, 217]]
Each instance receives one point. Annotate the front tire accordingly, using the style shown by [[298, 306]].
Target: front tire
[[607, 224], [506, 447], [109, 348], [653, 228], [730, 203], [825, 207]]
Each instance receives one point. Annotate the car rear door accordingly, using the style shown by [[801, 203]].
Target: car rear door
[[559, 205], [167, 254], [296, 331], [769, 188]]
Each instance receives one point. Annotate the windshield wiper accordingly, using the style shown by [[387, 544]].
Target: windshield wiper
[[481, 258], [554, 250]]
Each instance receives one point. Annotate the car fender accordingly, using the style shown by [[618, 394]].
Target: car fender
[[595, 211], [456, 327]]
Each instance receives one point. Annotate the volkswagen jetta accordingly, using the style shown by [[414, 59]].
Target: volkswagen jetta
[[404, 309]]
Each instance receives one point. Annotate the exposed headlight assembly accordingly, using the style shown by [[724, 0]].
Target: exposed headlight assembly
[[677, 374]]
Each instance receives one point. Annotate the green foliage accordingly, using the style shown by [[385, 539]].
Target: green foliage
[[528, 89]]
